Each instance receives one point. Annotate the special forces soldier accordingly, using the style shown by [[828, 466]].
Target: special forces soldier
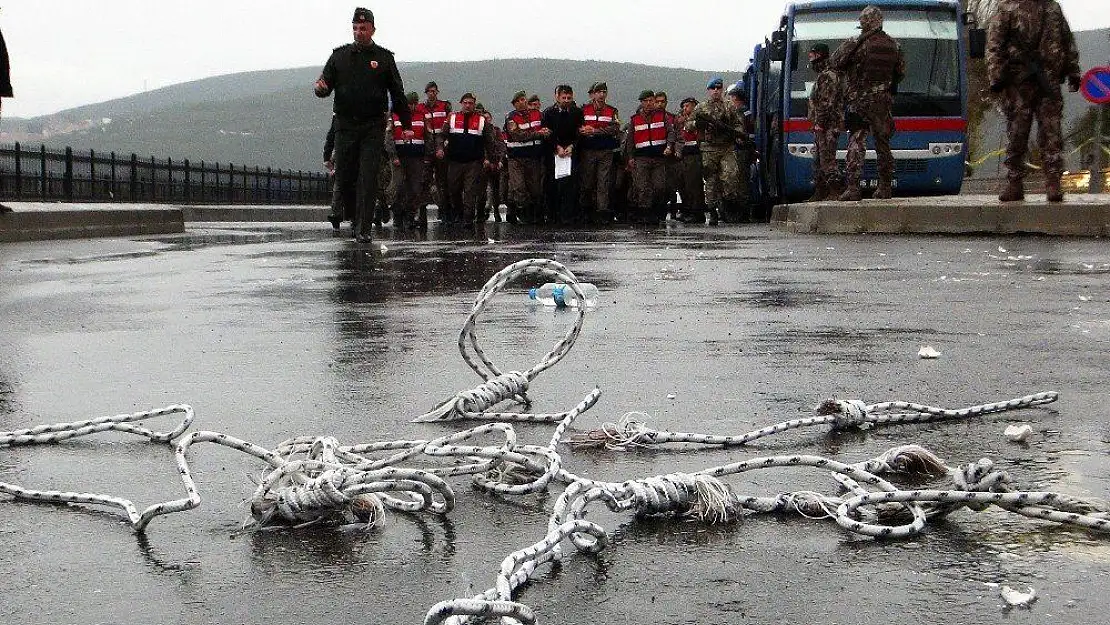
[[826, 112], [740, 211], [719, 126], [362, 74], [1030, 52], [872, 66]]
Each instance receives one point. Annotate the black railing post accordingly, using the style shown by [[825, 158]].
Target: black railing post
[[134, 190], [217, 183], [92, 175], [231, 183], [42, 172], [202, 170], [185, 188], [169, 180], [269, 185], [114, 188], [67, 179], [18, 171], [153, 178]]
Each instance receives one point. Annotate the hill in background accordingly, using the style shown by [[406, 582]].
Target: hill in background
[[271, 118]]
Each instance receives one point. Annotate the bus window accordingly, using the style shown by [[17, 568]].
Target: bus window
[[929, 40]]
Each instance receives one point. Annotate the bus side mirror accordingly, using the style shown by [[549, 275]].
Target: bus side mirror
[[977, 43], [778, 46]]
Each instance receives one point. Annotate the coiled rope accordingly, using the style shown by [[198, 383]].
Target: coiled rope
[[316, 480]]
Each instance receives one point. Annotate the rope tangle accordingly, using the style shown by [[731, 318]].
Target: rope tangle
[[317, 481]]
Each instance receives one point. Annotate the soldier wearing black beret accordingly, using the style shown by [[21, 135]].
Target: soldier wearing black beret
[[364, 78]]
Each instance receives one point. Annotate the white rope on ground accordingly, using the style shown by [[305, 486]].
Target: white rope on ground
[[315, 480], [630, 431]]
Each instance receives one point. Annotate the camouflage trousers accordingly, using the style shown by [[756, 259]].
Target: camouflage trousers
[[874, 117], [693, 187], [526, 186], [649, 181], [824, 156], [410, 187], [435, 174], [466, 190], [1021, 104], [722, 176], [597, 179]]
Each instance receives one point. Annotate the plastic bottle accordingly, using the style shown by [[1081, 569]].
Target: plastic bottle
[[561, 295]]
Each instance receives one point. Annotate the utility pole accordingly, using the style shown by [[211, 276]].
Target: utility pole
[[1096, 167]]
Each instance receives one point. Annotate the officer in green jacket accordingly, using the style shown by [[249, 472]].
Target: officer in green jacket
[[364, 78]]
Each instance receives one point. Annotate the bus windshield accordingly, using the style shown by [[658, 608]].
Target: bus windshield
[[930, 45]]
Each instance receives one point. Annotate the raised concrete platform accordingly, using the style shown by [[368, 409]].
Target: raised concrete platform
[[1079, 215], [36, 221], [255, 213]]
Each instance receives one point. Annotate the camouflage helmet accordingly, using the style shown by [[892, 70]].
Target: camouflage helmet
[[870, 18]]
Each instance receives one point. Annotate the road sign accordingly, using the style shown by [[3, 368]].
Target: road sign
[[1096, 85]]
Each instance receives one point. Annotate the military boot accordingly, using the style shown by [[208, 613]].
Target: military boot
[[851, 194], [833, 190], [714, 217], [820, 190], [883, 191], [1053, 190], [1014, 192]]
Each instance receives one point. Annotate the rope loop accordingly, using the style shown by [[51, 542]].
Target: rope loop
[[980, 477], [847, 414]]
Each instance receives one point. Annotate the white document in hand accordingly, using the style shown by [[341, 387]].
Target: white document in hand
[[562, 167]]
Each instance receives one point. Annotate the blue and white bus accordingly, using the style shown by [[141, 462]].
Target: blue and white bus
[[930, 107]]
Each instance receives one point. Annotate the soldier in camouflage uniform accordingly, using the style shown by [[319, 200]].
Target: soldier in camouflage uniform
[[872, 66], [1030, 52], [826, 111], [740, 210], [719, 126]]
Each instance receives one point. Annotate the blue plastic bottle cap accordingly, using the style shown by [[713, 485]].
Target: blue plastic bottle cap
[[557, 295], [532, 293]]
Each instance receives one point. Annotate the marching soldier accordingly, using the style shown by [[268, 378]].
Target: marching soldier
[[648, 144], [674, 164], [525, 146], [362, 74], [693, 189], [872, 66], [826, 112], [719, 125], [599, 141], [467, 144], [410, 156], [436, 171], [1030, 52]]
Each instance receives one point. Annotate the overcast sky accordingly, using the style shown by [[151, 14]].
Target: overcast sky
[[67, 53]]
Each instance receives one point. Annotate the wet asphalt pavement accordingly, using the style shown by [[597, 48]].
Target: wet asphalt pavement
[[273, 331]]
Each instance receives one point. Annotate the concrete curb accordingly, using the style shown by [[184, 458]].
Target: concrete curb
[[1078, 216], [37, 222]]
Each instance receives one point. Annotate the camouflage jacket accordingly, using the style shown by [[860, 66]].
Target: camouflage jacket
[[869, 64], [1012, 42], [826, 102], [719, 125]]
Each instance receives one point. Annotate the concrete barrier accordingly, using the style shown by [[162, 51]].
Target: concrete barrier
[[33, 221], [1079, 215], [255, 213]]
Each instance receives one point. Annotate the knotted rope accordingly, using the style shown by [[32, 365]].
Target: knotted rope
[[315, 480]]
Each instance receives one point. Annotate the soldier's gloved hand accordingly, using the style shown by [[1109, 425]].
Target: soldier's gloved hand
[[997, 87], [1074, 83]]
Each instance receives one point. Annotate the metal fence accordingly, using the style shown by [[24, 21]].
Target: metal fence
[[46, 174]]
